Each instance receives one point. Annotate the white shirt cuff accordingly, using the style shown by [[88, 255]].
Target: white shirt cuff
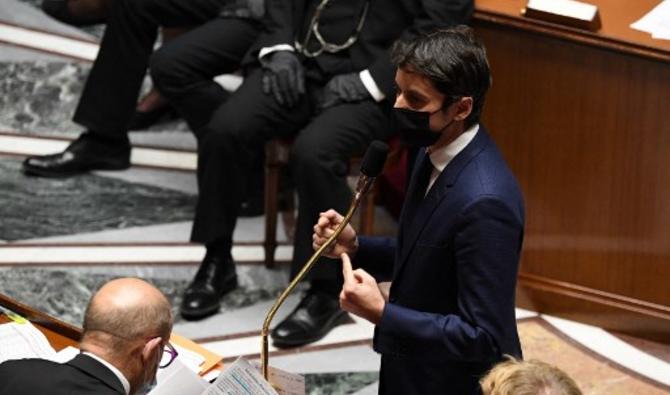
[[279, 47], [371, 85]]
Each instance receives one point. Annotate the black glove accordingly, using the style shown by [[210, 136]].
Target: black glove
[[284, 77], [343, 88]]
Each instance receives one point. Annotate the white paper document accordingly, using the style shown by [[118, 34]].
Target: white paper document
[[569, 8], [656, 22], [240, 378], [20, 341], [283, 382], [178, 379], [191, 359]]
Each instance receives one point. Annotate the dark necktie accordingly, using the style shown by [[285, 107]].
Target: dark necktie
[[417, 189]]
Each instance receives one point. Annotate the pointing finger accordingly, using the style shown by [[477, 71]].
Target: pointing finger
[[347, 270]]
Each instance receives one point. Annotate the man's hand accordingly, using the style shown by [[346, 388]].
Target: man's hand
[[360, 294], [284, 77], [343, 88], [346, 242]]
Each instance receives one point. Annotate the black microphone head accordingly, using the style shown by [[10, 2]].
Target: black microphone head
[[375, 156]]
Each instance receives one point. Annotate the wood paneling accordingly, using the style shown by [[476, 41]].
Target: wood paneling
[[585, 128]]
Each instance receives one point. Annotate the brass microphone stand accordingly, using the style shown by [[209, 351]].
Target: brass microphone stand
[[364, 184]]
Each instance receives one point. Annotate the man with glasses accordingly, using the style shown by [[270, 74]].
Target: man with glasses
[[127, 326]]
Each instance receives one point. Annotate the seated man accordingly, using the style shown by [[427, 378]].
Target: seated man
[[152, 107], [107, 104], [319, 74], [127, 326], [449, 316]]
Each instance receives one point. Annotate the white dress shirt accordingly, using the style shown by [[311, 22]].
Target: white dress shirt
[[440, 158]]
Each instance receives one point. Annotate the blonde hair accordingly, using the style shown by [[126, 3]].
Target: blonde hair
[[514, 377]]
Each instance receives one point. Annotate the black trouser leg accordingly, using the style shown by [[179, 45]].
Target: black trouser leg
[[183, 70], [319, 164], [109, 97], [226, 147]]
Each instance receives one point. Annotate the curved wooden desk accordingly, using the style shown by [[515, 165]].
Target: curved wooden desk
[[583, 120]]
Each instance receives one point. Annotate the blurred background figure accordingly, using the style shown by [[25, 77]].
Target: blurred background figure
[[533, 377], [152, 108], [107, 104]]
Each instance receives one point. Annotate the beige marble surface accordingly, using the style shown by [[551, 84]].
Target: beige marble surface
[[593, 375]]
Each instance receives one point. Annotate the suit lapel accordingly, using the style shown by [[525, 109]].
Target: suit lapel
[[94, 368], [413, 221]]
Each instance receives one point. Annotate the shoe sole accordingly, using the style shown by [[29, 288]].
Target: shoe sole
[[32, 171], [342, 318], [200, 314]]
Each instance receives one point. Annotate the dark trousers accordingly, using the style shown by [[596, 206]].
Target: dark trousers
[[110, 95], [323, 144], [183, 69]]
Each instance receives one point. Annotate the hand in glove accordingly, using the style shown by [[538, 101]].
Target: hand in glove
[[343, 88], [284, 77]]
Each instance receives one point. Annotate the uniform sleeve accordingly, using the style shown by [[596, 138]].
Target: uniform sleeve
[[279, 23]]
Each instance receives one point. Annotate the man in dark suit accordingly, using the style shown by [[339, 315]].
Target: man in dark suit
[[319, 74], [107, 104], [449, 316], [127, 326]]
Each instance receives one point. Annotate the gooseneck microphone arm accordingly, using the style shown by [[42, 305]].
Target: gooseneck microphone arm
[[373, 162]]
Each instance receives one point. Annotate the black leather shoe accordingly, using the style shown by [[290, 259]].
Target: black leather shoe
[[215, 278], [144, 119], [84, 154], [58, 9], [314, 317]]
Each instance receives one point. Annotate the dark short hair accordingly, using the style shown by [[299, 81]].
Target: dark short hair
[[454, 61]]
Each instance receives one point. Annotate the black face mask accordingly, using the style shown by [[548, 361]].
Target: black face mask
[[414, 127]]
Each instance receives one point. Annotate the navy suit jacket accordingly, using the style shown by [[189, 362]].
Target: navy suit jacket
[[79, 376], [450, 315]]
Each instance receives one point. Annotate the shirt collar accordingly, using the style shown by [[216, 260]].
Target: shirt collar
[[441, 157], [117, 372]]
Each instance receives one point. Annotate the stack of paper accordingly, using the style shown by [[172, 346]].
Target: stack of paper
[[190, 359], [567, 8], [19, 341], [656, 22], [244, 378], [178, 379]]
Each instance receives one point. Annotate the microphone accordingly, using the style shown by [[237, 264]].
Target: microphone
[[371, 167]]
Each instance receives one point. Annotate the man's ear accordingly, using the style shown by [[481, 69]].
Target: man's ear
[[150, 347], [463, 108]]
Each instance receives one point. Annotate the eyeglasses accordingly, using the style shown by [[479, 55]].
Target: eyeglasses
[[169, 355]]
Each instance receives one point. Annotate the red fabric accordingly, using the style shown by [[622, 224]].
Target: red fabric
[[392, 183]]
